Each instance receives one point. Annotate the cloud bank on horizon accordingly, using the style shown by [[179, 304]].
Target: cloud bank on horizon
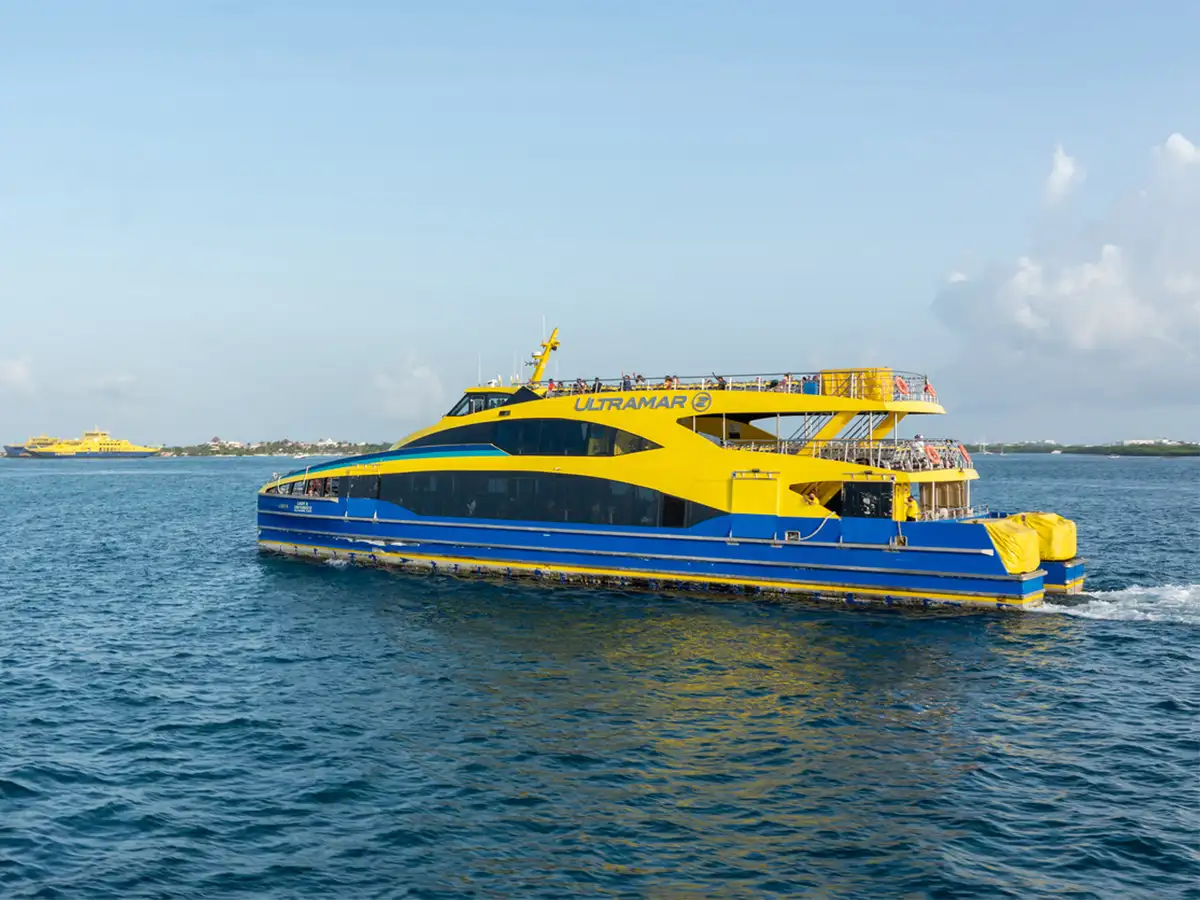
[[1107, 309]]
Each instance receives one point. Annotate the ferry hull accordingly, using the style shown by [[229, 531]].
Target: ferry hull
[[15, 450], [130, 454], [690, 560], [1064, 577]]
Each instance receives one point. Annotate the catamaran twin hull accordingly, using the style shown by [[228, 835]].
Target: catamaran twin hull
[[687, 483]]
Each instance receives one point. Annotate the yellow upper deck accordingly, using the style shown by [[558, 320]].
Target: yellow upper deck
[[781, 444], [94, 441]]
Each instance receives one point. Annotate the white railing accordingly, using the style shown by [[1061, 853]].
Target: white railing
[[857, 384], [896, 455]]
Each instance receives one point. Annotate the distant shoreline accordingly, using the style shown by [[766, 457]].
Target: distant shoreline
[[282, 449], [1153, 450]]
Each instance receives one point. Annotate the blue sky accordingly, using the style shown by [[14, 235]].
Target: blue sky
[[310, 219]]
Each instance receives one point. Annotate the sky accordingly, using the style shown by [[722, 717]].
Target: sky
[[303, 219]]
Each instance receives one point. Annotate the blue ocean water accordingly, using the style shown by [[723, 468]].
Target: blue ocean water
[[181, 717]]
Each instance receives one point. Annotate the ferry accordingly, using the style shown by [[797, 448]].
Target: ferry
[[23, 450], [775, 484], [93, 445]]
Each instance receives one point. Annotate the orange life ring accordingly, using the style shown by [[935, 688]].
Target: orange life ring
[[934, 456], [901, 386], [930, 391], [966, 455]]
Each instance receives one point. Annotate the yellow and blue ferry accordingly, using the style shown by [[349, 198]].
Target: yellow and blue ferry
[[34, 443], [791, 483], [93, 445]]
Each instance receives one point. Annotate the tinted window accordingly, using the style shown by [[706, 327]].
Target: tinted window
[[542, 437], [285, 488], [539, 497], [363, 487]]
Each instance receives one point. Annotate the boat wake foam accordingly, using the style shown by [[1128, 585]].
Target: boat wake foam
[[1166, 603]]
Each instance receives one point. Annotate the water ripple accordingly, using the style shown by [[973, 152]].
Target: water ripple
[[183, 718]]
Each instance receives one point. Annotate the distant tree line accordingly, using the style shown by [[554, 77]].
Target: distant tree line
[[278, 448], [1095, 449]]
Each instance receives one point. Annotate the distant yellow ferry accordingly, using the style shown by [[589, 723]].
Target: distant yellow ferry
[[93, 445], [32, 443]]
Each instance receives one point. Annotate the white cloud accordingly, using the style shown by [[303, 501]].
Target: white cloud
[[1179, 149], [1065, 174], [412, 392], [1114, 309], [15, 376]]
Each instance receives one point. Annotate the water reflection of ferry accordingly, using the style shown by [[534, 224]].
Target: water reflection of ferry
[[762, 483]]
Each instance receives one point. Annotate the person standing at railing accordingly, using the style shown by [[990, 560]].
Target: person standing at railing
[[596, 385], [625, 382]]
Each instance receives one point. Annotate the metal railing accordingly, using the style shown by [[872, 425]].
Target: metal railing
[[897, 455], [856, 384], [957, 512]]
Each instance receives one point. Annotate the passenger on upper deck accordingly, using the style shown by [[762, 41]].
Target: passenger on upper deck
[[596, 386], [625, 382]]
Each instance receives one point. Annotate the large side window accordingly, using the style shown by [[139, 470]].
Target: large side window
[[363, 487], [539, 497]]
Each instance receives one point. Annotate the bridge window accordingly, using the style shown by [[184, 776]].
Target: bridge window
[[542, 437], [478, 402], [539, 497]]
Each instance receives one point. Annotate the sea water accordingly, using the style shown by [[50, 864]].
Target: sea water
[[183, 717]]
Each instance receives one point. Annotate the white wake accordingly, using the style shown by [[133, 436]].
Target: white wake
[[1168, 603]]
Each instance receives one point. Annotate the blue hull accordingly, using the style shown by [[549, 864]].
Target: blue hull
[[121, 455], [14, 450], [858, 559]]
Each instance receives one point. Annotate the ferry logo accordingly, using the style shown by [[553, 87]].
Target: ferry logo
[[702, 401], [628, 402]]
